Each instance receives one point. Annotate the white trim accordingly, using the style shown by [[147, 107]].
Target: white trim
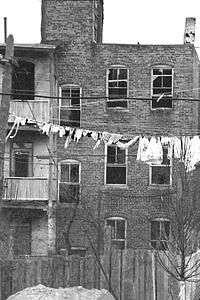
[[172, 87], [125, 228], [170, 175], [107, 94], [105, 168]]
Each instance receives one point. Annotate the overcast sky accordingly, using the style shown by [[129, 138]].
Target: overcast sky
[[125, 21]]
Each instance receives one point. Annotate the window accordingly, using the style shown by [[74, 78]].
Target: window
[[22, 238], [69, 184], [117, 81], [162, 87], [115, 165], [161, 174], [23, 81], [70, 106], [160, 232], [21, 160], [118, 231]]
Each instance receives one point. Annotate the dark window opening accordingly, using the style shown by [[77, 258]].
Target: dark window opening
[[69, 187], [117, 87], [23, 81], [70, 107], [160, 232], [161, 174], [116, 165], [162, 83], [21, 160], [118, 231]]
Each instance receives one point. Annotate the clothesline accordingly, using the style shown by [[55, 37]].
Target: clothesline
[[150, 149]]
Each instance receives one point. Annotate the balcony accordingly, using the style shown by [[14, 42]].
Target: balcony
[[33, 109], [25, 189]]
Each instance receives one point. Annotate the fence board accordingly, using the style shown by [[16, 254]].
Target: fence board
[[130, 273]]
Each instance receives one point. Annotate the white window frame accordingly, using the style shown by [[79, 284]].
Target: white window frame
[[163, 166], [68, 162], [172, 87], [125, 228], [159, 220], [69, 86], [107, 87], [105, 170]]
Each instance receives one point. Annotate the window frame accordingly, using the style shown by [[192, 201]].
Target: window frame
[[161, 165], [116, 218], [160, 220], [28, 151], [107, 88], [125, 164], [156, 96], [69, 183], [70, 106]]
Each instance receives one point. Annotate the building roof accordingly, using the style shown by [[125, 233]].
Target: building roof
[[33, 47]]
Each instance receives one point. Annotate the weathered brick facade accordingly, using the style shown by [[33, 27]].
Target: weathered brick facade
[[83, 62]]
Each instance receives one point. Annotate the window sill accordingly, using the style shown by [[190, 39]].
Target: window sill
[[114, 186], [120, 109], [162, 108], [160, 186]]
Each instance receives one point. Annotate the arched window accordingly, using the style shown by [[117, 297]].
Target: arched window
[[160, 233], [23, 81], [117, 87], [69, 181], [161, 87], [118, 231]]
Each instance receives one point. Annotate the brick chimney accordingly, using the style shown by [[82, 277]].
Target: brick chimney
[[189, 34]]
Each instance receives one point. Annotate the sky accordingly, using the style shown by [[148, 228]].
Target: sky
[[125, 21]]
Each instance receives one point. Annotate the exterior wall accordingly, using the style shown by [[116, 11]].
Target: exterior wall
[[138, 202], [39, 236]]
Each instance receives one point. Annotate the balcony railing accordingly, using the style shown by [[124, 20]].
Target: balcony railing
[[33, 109], [25, 188]]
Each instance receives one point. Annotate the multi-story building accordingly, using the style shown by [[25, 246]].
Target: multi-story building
[[131, 90], [27, 161], [107, 93]]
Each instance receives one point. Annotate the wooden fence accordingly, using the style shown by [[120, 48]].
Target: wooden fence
[[130, 274]]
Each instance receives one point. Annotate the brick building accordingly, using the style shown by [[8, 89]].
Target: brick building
[[131, 90], [115, 88]]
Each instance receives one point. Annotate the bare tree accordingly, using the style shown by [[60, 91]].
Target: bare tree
[[175, 248]]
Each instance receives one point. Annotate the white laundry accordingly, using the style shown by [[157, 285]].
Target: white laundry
[[78, 134], [126, 145], [142, 147], [154, 152]]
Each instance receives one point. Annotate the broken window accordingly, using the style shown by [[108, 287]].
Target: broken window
[[117, 81], [160, 232], [115, 165], [118, 231], [70, 103], [23, 81], [162, 87], [161, 174], [21, 160], [69, 182]]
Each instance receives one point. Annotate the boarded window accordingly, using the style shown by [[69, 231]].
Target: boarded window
[[115, 165], [160, 232], [70, 107], [69, 184], [22, 239], [23, 81], [162, 87], [117, 87]]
